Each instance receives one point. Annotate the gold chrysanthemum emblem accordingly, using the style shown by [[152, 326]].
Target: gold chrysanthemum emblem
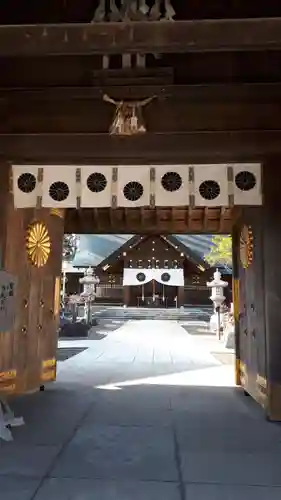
[[38, 244]]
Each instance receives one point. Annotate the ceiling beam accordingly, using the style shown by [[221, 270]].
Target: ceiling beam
[[141, 37], [266, 92], [73, 226], [111, 218], [97, 219], [84, 223], [222, 218], [142, 217], [205, 218], [208, 146]]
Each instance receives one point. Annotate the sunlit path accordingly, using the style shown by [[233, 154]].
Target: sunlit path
[[144, 352]]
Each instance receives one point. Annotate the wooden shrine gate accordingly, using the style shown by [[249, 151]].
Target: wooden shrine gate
[[75, 92]]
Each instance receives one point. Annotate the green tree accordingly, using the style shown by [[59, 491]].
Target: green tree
[[221, 251]]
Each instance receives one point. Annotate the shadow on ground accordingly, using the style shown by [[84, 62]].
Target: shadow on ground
[[64, 353], [142, 415], [143, 442]]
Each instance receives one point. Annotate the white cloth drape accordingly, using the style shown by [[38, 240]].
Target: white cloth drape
[[130, 276]]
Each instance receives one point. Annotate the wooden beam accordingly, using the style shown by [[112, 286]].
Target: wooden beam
[[82, 221], [163, 227], [205, 218], [111, 218], [242, 92], [207, 146], [142, 216], [222, 219], [96, 218], [141, 37], [126, 220], [189, 217], [179, 109]]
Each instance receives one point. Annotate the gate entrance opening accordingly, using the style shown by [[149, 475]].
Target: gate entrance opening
[[181, 121], [33, 237], [152, 271]]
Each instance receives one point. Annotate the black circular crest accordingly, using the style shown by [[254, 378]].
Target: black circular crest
[[27, 182], [209, 190], [59, 191], [245, 180], [133, 191], [141, 277], [171, 181], [165, 277], [96, 182]]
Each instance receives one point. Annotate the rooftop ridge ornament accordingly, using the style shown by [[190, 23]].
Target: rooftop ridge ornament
[[169, 11], [133, 10], [128, 118]]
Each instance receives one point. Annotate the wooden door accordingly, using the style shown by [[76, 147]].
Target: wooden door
[[32, 346]]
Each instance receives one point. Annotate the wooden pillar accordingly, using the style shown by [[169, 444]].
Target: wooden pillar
[[249, 301], [126, 295], [235, 295], [7, 339], [272, 288], [180, 296], [33, 341], [257, 296]]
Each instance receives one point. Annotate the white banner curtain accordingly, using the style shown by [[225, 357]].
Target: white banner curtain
[[169, 277]]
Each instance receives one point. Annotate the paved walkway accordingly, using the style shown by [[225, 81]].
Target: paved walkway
[[145, 413]]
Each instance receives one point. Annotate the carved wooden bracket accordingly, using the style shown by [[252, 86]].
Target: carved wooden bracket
[[133, 10]]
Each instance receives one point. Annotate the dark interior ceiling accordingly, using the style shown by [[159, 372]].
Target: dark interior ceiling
[[216, 118], [73, 11], [219, 67], [180, 220]]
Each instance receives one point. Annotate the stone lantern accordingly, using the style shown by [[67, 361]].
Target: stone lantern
[[89, 282], [217, 286], [64, 281]]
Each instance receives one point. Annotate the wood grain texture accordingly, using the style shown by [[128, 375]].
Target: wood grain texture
[[165, 148], [33, 338], [177, 108], [162, 220], [141, 37]]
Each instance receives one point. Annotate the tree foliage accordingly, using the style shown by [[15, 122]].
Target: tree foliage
[[221, 251]]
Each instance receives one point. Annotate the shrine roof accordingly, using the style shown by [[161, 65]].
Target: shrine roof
[[93, 249]]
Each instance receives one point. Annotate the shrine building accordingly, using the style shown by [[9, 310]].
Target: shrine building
[[148, 271], [151, 118]]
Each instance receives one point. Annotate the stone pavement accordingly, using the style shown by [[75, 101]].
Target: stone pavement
[[134, 313], [146, 413]]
